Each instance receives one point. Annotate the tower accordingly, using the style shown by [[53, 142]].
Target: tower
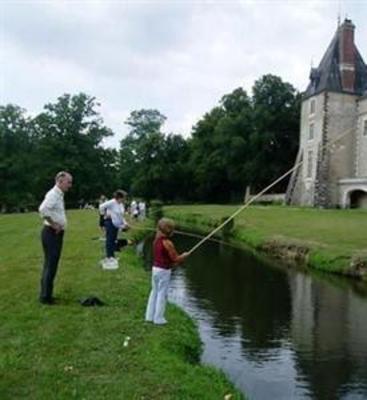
[[334, 106]]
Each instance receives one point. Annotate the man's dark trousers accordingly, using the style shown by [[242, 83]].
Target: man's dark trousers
[[52, 245]]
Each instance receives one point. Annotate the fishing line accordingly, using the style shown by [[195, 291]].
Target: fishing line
[[189, 234]]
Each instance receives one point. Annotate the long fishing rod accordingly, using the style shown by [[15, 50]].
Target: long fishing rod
[[246, 205], [183, 233]]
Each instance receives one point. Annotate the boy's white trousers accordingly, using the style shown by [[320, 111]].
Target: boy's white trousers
[[158, 295]]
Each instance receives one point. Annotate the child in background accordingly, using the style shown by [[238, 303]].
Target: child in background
[[165, 257], [141, 206], [101, 200], [134, 209], [113, 211]]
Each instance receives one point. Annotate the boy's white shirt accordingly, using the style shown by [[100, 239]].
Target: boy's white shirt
[[114, 210]]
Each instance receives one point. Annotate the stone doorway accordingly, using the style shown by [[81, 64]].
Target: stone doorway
[[358, 199]]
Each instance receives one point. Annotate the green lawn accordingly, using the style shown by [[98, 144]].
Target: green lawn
[[68, 351], [327, 233]]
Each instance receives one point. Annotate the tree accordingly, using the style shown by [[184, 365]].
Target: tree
[[245, 140], [219, 149], [70, 132], [176, 181], [17, 159], [151, 163], [144, 122], [141, 153], [274, 142], [241, 141]]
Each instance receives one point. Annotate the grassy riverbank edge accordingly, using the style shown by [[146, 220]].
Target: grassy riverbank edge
[[256, 236], [71, 352]]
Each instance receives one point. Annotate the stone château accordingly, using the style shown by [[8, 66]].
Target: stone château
[[333, 132]]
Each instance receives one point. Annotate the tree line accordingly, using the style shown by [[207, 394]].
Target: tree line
[[244, 140]]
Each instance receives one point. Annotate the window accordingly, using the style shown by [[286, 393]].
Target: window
[[309, 163], [364, 129], [311, 131], [312, 106]]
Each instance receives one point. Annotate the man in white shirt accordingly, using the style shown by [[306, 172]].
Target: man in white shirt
[[52, 210]]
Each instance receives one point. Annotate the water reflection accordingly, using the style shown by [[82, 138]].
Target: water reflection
[[329, 334], [277, 333]]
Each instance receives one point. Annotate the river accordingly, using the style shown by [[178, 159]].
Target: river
[[278, 333]]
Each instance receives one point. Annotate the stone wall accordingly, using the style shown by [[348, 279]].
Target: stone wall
[[342, 123], [361, 144], [309, 143], [322, 187], [337, 146]]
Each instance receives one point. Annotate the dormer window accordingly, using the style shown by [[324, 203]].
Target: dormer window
[[315, 78], [312, 106]]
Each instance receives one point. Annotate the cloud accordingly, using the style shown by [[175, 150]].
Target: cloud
[[178, 57]]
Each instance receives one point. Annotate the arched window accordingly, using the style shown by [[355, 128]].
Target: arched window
[[312, 106]]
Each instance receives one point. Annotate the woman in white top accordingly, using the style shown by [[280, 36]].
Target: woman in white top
[[113, 210]]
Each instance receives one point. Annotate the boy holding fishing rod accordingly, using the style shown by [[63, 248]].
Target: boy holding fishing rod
[[113, 211], [165, 257]]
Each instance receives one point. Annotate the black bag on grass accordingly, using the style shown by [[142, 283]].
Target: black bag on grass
[[91, 302]]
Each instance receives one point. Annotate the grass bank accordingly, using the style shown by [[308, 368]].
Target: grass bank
[[68, 351], [329, 240]]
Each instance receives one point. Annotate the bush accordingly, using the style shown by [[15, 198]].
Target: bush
[[156, 210], [227, 230]]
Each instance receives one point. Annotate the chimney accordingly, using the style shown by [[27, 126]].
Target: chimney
[[347, 55]]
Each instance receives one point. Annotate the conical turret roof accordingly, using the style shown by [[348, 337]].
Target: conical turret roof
[[328, 75]]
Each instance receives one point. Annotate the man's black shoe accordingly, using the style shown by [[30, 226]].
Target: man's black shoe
[[47, 301]]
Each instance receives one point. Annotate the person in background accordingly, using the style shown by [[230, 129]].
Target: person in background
[[101, 200], [141, 210], [113, 211], [134, 209], [165, 258], [52, 210]]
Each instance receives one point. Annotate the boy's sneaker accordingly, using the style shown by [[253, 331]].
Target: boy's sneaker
[[110, 263]]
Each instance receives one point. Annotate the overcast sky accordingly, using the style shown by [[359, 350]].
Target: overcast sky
[[179, 57]]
